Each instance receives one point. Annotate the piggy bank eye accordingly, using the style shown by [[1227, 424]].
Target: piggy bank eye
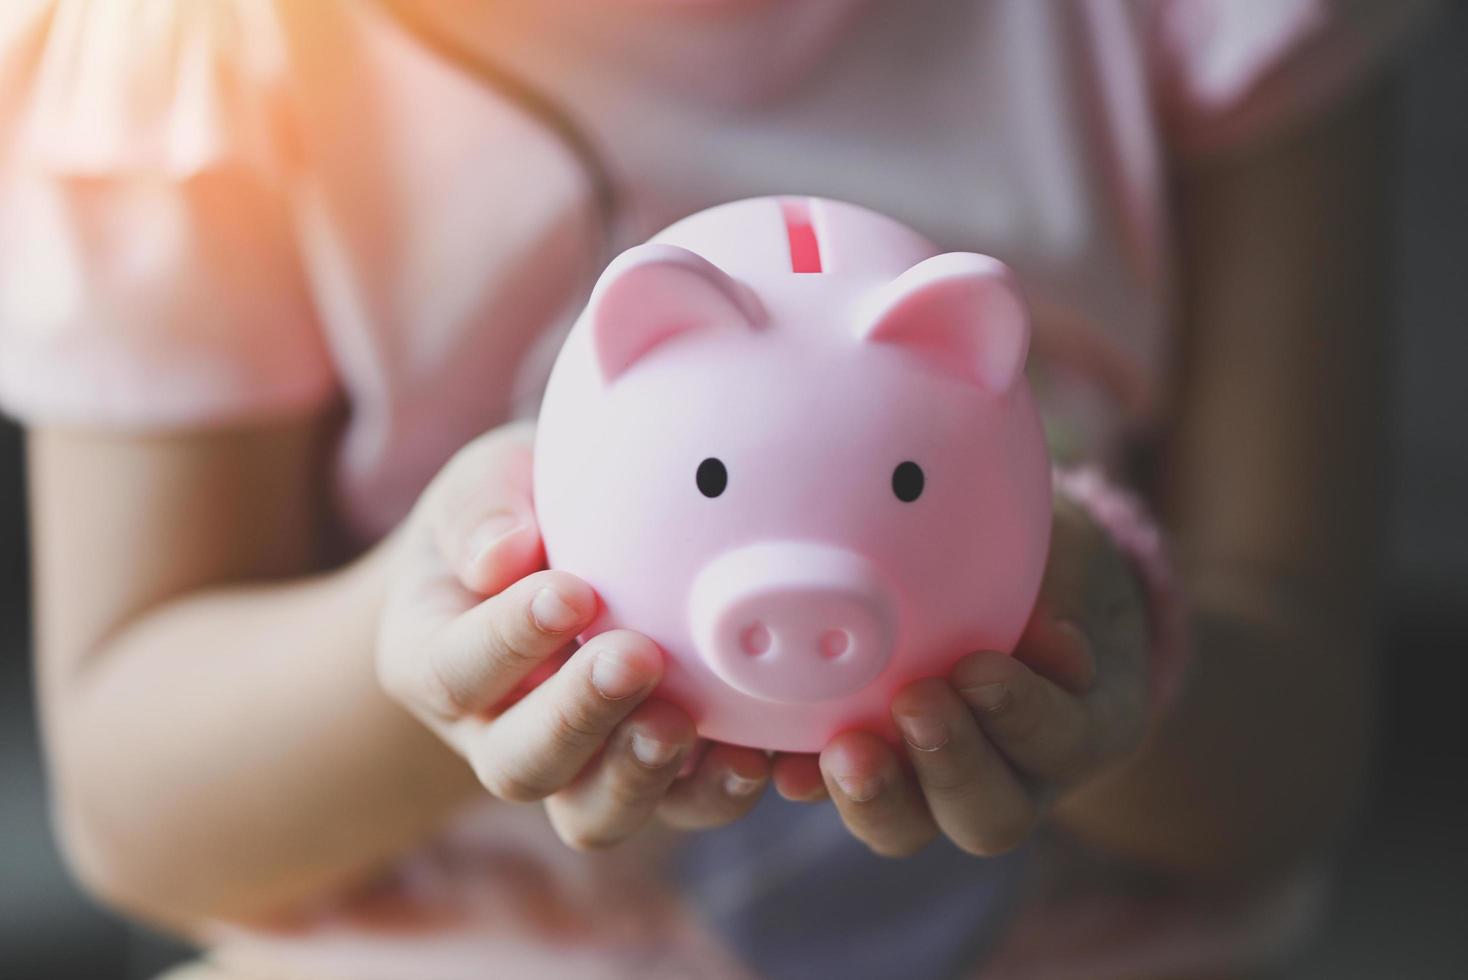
[[712, 477], [907, 481]]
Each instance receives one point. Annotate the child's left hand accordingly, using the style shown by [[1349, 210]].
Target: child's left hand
[[1003, 737]]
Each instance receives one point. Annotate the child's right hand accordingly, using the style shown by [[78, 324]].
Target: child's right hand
[[587, 740]]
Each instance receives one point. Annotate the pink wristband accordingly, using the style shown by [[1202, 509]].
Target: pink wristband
[[1125, 518]]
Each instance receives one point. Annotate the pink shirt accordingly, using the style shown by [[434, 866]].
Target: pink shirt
[[226, 210]]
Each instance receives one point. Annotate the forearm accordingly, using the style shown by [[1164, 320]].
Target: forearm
[[1259, 766], [229, 752], [1272, 501]]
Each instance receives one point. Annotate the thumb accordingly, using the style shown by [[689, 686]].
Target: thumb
[[1058, 650], [480, 512]]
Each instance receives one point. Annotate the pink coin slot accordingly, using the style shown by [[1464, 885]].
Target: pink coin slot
[[805, 249]]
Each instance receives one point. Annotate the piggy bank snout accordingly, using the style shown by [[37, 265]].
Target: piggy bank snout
[[793, 621]]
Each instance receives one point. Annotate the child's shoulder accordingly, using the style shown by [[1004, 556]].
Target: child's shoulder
[[164, 87], [132, 294]]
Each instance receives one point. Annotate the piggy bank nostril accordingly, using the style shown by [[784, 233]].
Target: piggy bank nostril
[[793, 622], [756, 639], [834, 643]]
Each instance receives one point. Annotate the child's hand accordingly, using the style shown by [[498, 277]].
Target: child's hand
[[586, 740], [990, 747]]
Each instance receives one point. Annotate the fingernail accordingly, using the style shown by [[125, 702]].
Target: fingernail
[[737, 785], [856, 788], [651, 752], [987, 697], [490, 533], [816, 794], [614, 677], [924, 732], [552, 613]]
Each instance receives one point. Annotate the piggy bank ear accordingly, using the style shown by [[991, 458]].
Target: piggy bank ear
[[961, 312], [655, 292]]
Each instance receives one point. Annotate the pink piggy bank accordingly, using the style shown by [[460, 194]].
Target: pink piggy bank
[[794, 445]]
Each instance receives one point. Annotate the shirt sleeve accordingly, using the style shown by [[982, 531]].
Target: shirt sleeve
[[149, 274], [1230, 72]]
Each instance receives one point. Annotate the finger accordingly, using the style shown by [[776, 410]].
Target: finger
[[1057, 649], [473, 660], [798, 778], [622, 789], [1046, 732], [481, 514], [542, 741], [726, 784], [970, 789], [1091, 613], [878, 801], [692, 759]]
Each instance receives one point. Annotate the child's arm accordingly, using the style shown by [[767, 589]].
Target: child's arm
[[1274, 502], [1275, 461], [214, 746], [224, 749]]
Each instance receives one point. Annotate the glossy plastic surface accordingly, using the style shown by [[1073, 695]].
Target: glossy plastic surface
[[879, 501]]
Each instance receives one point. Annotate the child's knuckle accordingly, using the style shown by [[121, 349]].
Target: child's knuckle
[[949, 779], [511, 785], [631, 790], [513, 646], [438, 692], [1020, 715], [575, 721]]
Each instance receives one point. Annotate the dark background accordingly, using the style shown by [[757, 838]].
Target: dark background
[[1399, 909]]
